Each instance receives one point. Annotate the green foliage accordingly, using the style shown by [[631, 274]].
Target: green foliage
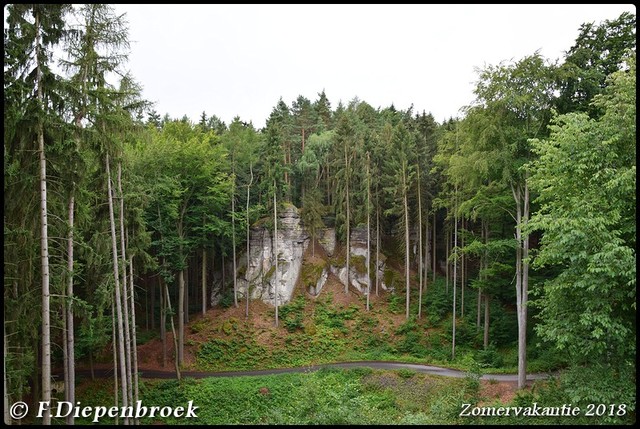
[[406, 373], [226, 300], [599, 50], [490, 357], [437, 302], [292, 314], [311, 273], [586, 180], [327, 396], [396, 303]]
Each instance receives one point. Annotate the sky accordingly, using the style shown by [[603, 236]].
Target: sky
[[239, 60]]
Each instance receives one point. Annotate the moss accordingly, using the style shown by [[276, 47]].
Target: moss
[[311, 273], [269, 274], [389, 277], [359, 263]]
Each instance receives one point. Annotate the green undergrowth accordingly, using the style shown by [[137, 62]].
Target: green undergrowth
[[354, 396], [318, 331], [327, 397]]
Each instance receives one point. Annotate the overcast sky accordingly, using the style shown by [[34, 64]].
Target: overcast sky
[[238, 60]]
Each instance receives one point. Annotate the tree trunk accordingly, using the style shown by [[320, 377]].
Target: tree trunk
[[427, 257], [44, 240], [180, 347], [173, 330], [114, 344], [406, 239], [204, 281], [462, 278], [346, 163], [152, 306], [248, 295], [233, 243], [455, 275], [163, 320], [486, 321], [186, 291], [420, 266], [480, 276], [522, 250], [116, 275], [275, 247], [368, 232], [377, 247], [125, 305], [134, 339], [70, 379], [447, 236], [434, 246]]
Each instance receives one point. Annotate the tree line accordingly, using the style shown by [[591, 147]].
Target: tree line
[[113, 213]]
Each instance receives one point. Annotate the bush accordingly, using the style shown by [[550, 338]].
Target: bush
[[489, 358]]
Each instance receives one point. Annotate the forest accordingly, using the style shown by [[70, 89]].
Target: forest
[[501, 241]]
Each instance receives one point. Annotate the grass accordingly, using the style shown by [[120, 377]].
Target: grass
[[326, 396]]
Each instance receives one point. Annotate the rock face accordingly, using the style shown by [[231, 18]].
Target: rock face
[[327, 239], [260, 276], [358, 270]]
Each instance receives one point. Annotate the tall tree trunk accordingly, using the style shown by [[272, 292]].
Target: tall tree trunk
[[434, 246], [223, 270], [486, 294], [116, 276], [486, 321], [420, 266], [275, 247], [70, 379], [406, 238], [346, 161], [125, 305], [204, 281], [186, 291], [246, 310], [173, 330], [455, 275], [368, 232], [163, 319], [134, 338], [462, 266], [114, 343], [522, 251], [233, 243], [447, 236], [427, 256], [152, 307], [480, 276], [44, 238], [377, 243], [180, 347]]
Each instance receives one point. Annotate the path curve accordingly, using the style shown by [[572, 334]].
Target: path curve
[[426, 369]]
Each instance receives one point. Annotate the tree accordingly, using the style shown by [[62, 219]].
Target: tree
[[345, 135], [599, 51], [513, 104], [586, 179], [38, 36], [312, 213], [400, 173], [188, 183]]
